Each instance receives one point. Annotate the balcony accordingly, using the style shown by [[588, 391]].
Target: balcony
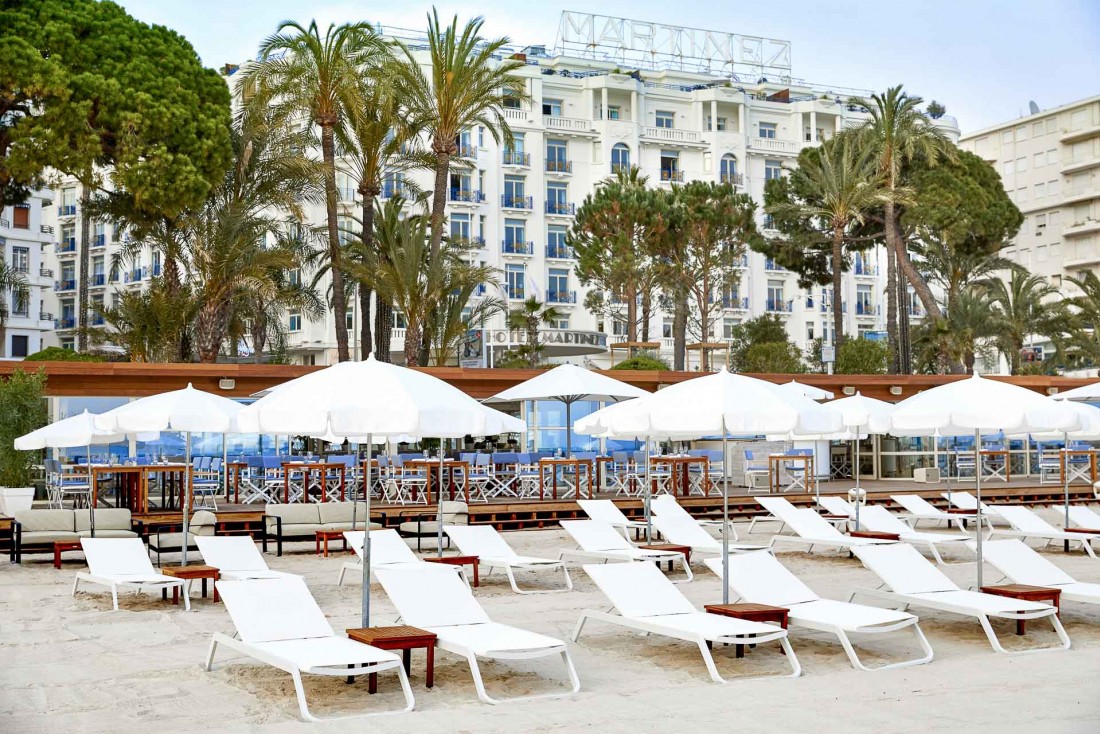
[[736, 179], [96, 320], [670, 175], [480, 290], [671, 135], [516, 158], [736, 303], [741, 262], [865, 270], [517, 247], [865, 308], [466, 151], [515, 113], [4, 223], [559, 252], [65, 322], [1077, 229], [826, 306], [466, 196], [470, 243], [773, 266], [561, 296], [566, 124], [63, 286], [774, 305], [98, 280], [391, 189], [559, 166], [67, 245], [1073, 194], [772, 145], [136, 275], [620, 168], [100, 240], [45, 272], [45, 316], [156, 269], [66, 210], [46, 229], [517, 202], [561, 208]]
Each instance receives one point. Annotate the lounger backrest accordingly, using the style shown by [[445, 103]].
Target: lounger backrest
[[1084, 517], [903, 568], [1021, 563], [230, 552], [962, 500], [479, 540], [117, 557], [273, 609], [809, 524], [780, 507], [432, 596], [595, 536], [603, 510], [386, 546], [835, 505], [881, 520], [1024, 520], [760, 578], [914, 504], [638, 589], [684, 532], [667, 506]]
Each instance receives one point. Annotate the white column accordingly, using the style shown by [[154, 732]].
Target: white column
[[636, 110], [813, 126], [839, 121], [801, 117], [714, 115], [603, 103], [741, 119]]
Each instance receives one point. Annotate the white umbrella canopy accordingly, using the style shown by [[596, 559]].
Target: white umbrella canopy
[[809, 391], [1084, 393], [76, 430], [865, 416]]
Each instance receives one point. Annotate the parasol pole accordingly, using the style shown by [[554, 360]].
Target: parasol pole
[[366, 540]]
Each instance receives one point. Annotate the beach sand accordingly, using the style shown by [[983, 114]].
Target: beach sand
[[73, 665]]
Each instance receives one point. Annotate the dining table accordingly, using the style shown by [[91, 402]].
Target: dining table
[[444, 482], [680, 472]]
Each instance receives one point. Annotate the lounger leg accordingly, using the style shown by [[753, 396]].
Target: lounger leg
[[300, 692], [114, 596], [936, 554], [479, 684], [187, 597], [708, 658], [796, 667], [849, 649], [340, 578], [688, 575], [76, 583], [580, 626], [210, 654]]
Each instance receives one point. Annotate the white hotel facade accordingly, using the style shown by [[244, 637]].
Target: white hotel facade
[[586, 117]]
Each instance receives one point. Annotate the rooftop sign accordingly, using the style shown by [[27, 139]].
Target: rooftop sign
[[651, 45]]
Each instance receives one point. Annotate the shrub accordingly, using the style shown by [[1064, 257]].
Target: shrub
[[642, 362], [57, 354], [22, 410]]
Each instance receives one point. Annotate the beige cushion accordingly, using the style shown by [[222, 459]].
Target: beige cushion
[[47, 520], [295, 514], [427, 527], [203, 522], [108, 533], [331, 512], [455, 513], [110, 519], [170, 541], [348, 525], [48, 536]]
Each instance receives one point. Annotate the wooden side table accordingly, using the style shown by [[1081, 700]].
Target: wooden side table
[[60, 546], [685, 549], [1026, 593], [752, 613], [873, 535], [402, 638], [471, 561], [325, 536], [189, 573]]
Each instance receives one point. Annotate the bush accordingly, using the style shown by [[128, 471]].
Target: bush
[[57, 354], [862, 357], [773, 357], [22, 410], [642, 362]]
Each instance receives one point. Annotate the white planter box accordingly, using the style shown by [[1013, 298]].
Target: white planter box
[[14, 499]]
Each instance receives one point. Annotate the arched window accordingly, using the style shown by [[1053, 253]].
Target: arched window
[[728, 169], [620, 158]]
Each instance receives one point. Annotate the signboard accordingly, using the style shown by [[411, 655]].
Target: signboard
[[1031, 355], [828, 353], [472, 353], [651, 45]]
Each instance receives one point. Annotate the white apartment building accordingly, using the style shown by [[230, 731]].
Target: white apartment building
[[24, 235], [586, 118]]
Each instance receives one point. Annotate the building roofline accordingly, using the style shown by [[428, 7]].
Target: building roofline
[[1021, 120]]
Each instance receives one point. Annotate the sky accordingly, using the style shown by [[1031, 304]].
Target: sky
[[983, 59]]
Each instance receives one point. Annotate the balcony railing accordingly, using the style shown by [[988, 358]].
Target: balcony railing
[[466, 151], [45, 272], [65, 322], [559, 252], [736, 303], [45, 316], [472, 243], [65, 285], [100, 240], [558, 166], [736, 179], [155, 269], [741, 262], [569, 124], [563, 208], [773, 266], [21, 268], [390, 190], [66, 210], [668, 175], [773, 145], [864, 308], [778, 306], [136, 275], [561, 297], [46, 229], [4, 223], [517, 202], [480, 290], [517, 247], [826, 306], [468, 196], [516, 158], [917, 311], [96, 320], [99, 279], [671, 134], [617, 167], [66, 245], [515, 113], [862, 268]]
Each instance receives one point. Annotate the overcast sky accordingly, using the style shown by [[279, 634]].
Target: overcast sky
[[983, 59]]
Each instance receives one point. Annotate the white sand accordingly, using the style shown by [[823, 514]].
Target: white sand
[[73, 665]]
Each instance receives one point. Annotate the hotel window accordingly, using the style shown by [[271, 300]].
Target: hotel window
[[345, 187], [460, 227], [613, 112], [1051, 123], [728, 168], [68, 198], [767, 129], [618, 327], [20, 303], [1021, 165], [556, 155], [558, 284], [810, 332], [721, 124], [349, 317], [515, 234], [19, 345], [620, 157], [21, 259], [1037, 129], [21, 217], [863, 299], [295, 276], [294, 321], [670, 165], [481, 136], [665, 119], [729, 327], [561, 323], [1009, 167], [666, 329], [514, 281], [773, 169], [1006, 137], [1038, 160], [1021, 132], [68, 343], [1052, 187], [98, 273], [344, 231], [399, 320], [556, 198], [515, 191], [1052, 156], [555, 242], [510, 101], [513, 154], [1040, 190], [551, 107], [776, 301]]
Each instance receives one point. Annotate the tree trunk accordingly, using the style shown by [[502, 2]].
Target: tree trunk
[[259, 339], [210, 330], [83, 274], [383, 330], [647, 312], [892, 308], [905, 353], [837, 267], [630, 293], [365, 338], [339, 297], [412, 343], [439, 194], [679, 333], [533, 346]]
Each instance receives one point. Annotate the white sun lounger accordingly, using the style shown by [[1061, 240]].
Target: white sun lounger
[[1080, 516], [917, 508], [123, 563], [236, 558], [967, 501], [880, 520], [1022, 564], [836, 506], [666, 505], [691, 534], [648, 602], [812, 529], [493, 551], [598, 541], [1026, 524], [608, 512], [280, 624], [913, 581], [387, 550], [761, 579], [777, 507], [435, 600]]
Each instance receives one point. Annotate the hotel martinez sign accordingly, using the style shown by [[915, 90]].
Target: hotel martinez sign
[[656, 45]]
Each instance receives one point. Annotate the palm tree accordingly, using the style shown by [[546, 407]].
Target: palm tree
[[844, 185], [465, 88], [307, 75], [1087, 305], [528, 317], [148, 324], [959, 337], [1021, 308], [15, 282], [953, 269], [896, 133], [460, 311]]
